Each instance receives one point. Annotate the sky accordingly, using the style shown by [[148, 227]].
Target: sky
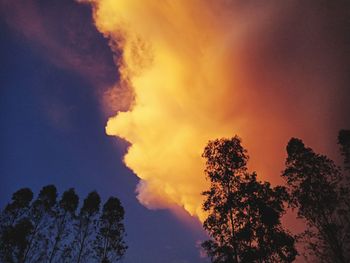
[[121, 97]]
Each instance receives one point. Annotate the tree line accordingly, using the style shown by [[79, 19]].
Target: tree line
[[49, 229], [244, 214]]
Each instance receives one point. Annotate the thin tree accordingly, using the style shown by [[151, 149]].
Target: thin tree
[[316, 188], [15, 227], [243, 213], [87, 226], [110, 245], [40, 210], [64, 214], [344, 142]]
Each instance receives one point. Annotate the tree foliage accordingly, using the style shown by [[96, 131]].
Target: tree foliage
[[87, 227], [110, 239], [63, 215], [15, 226], [319, 190], [47, 230], [15, 240], [40, 213], [18, 207], [344, 142], [243, 213]]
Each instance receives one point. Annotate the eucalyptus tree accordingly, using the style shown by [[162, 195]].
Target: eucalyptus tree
[[243, 213], [319, 190], [110, 245], [17, 208], [344, 142], [87, 227], [40, 210], [62, 224], [15, 227]]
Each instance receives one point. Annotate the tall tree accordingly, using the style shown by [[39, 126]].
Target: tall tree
[[41, 209], [243, 213], [110, 245], [19, 206], [344, 142], [315, 185], [64, 215], [15, 227], [87, 227]]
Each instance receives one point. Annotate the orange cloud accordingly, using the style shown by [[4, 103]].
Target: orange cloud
[[200, 70]]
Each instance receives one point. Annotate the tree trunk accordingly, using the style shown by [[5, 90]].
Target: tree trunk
[[31, 241], [83, 241], [234, 245], [58, 237]]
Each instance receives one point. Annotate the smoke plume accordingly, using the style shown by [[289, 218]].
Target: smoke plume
[[203, 69]]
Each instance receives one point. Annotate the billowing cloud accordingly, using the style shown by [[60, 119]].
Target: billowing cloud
[[199, 70]]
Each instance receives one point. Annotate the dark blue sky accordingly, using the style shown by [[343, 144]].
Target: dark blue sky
[[52, 125]]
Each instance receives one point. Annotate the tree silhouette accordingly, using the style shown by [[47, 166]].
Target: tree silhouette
[[243, 213], [344, 142], [110, 245], [15, 226], [86, 227], [14, 240], [45, 230], [19, 206], [64, 214], [316, 189], [40, 211]]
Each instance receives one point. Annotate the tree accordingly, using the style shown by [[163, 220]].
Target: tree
[[344, 142], [64, 214], [14, 240], [86, 228], [110, 245], [243, 213], [15, 226], [40, 210], [315, 186], [18, 207]]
